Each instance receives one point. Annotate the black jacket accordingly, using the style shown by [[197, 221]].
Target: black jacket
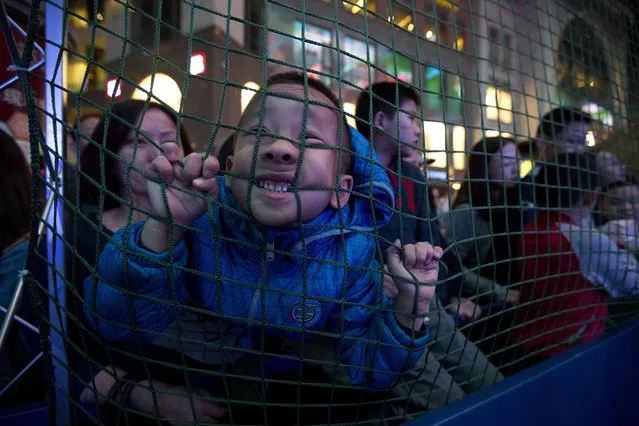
[[414, 221]]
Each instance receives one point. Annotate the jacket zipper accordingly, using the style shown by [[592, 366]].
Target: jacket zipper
[[270, 250], [254, 301], [270, 256]]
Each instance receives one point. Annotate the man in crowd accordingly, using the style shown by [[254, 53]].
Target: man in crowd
[[562, 130], [453, 366]]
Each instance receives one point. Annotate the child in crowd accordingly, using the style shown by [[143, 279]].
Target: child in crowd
[[610, 167], [569, 268], [287, 252], [620, 211]]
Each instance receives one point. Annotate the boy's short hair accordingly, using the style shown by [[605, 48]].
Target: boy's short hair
[[554, 121], [386, 97], [563, 183], [296, 77]]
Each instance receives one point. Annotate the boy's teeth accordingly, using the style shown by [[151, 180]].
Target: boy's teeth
[[274, 186]]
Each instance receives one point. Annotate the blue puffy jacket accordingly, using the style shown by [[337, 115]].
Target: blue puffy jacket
[[318, 278]]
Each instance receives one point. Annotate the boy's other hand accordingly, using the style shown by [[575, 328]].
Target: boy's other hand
[[420, 261], [390, 288], [189, 177]]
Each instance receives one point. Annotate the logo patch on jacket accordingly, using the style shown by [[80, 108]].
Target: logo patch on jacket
[[305, 311]]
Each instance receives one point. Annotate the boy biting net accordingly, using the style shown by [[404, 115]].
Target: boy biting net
[[282, 245]]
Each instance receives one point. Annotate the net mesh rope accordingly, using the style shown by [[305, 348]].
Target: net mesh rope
[[481, 69]]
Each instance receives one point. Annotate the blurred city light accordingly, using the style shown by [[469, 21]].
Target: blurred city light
[[113, 88], [354, 6], [499, 105], [459, 147], [250, 88], [198, 64], [349, 109], [435, 142], [162, 88], [495, 133], [526, 167]]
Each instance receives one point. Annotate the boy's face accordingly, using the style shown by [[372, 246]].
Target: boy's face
[[274, 190], [406, 127]]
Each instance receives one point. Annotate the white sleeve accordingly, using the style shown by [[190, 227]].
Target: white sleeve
[[602, 262], [623, 232]]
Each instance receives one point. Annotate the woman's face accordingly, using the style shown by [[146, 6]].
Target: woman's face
[[503, 166], [156, 127], [621, 203]]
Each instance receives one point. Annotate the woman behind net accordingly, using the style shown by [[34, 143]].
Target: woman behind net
[[486, 218], [124, 143]]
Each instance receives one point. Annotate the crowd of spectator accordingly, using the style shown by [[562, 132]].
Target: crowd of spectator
[[304, 268]]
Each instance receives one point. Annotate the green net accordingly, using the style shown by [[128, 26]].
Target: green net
[[268, 292]]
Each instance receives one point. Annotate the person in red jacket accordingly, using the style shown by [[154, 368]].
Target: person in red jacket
[[569, 268]]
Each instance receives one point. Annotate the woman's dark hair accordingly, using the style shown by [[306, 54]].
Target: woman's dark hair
[[564, 183], [15, 192], [476, 189], [85, 116], [123, 119]]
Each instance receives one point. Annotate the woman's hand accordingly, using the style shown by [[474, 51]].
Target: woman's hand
[[465, 309], [174, 403], [512, 297], [100, 385]]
